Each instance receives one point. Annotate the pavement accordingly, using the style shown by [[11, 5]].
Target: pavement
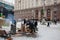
[[44, 33]]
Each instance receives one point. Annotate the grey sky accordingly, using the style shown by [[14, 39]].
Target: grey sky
[[11, 1]]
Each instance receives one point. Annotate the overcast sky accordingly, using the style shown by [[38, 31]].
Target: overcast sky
[[11, 1]]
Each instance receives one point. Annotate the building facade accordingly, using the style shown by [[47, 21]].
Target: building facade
[[37, 9]]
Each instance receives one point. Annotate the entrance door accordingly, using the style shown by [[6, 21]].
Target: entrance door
[[48, 14]]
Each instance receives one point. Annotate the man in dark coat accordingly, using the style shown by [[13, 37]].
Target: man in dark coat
[[48, 25], [24, 21], [35, 25], [13, 29], [31, 26]]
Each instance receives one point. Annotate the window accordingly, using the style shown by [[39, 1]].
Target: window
[[19, 4], [19, 1], [48, 10], [36, 2], [54, 12]]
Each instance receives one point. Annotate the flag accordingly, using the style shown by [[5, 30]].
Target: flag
[[42, 11], [1, 14]]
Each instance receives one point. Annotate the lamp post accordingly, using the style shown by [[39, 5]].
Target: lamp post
[[20, 6], [55, 9], [43, 11]]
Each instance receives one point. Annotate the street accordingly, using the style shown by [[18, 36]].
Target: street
[[18, 19], [43, 33]]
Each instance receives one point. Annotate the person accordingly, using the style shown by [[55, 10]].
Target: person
[[13, 29], [35, 26], [31, 26], [15, 22], [24, 21], [48, 24], [55, 21], [43, 21], [27, 22]]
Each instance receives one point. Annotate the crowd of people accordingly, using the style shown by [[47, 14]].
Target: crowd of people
[[44, 21], [32, 24]]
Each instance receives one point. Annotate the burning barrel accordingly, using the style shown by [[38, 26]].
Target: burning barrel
[[1, 22]]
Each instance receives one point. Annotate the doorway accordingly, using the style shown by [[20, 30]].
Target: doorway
[[36, 14]]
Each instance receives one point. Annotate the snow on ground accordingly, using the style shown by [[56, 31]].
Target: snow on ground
[[1, 38], [44, 33]]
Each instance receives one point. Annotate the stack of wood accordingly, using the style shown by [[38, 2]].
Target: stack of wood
[[27, 29], [9, 38], [2, 32]]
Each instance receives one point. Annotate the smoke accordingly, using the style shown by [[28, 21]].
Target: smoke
[[10, 17]]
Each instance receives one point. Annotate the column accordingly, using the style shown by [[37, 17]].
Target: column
[[51, 14], [39, 17]]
